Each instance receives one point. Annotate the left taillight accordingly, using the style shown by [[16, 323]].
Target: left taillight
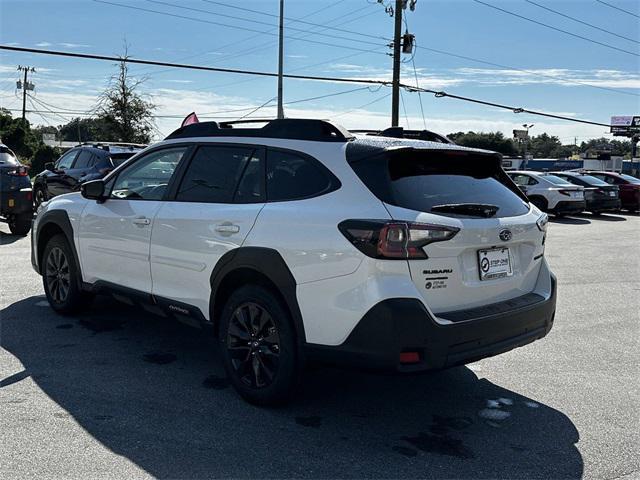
[[21, 171], [394, 240]]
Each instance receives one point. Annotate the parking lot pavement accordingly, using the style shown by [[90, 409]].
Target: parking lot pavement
[[119, 393]]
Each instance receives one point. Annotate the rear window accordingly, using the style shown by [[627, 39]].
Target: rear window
[[556, 180], [630, 179], [7, 157], [431, 181], [591, 180], [119, 158]]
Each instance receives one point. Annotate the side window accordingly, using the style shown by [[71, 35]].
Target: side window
[[66, 160], [148, 177], [521, 180], [216, 171], [84, 160], [531, 181], [291, 176]]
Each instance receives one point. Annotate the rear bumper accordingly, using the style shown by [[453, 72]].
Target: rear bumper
[[569, 207], [16, 202], [603, 204], [401, 325]]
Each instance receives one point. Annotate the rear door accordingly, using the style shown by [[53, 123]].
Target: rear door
[[114, 234], [494, 256], [213, 208]]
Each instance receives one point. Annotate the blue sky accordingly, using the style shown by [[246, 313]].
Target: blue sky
[[461, 27]]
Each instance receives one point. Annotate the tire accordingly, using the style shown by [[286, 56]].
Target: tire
[[20, 224], [61, 277], [39, 196], [258, 346], [540, 203]]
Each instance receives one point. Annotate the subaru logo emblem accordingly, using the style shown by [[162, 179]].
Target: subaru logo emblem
[[505, 235]]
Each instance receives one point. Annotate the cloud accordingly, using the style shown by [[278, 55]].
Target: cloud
[[44, 44], [179, 81], [74, 45], [297, 56], [555, 76]]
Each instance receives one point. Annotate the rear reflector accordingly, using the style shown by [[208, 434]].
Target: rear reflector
[[409, 357]]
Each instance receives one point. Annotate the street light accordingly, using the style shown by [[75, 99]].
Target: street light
[[526, 142]]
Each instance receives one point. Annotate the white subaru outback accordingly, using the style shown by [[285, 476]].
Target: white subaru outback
[[299, 241]]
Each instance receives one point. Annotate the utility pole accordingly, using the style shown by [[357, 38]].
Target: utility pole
[[395, 88], [25, 85], [280, 60]]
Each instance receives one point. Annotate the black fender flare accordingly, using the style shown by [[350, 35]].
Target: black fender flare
[[270, 264], [60, 219]]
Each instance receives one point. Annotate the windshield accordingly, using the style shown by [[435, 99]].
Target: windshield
[[427, 181], [556, 180], [630, 179], [7, 157]]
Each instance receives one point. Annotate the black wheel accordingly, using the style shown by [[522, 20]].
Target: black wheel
[[540, 202], [259, 346], [20, 224], [39, 196], [61, 277]]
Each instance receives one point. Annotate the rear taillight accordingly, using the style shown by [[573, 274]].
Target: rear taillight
[[19, 172], [394, 240], [566, 192]]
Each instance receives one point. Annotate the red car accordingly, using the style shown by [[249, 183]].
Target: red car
[[629, 188]]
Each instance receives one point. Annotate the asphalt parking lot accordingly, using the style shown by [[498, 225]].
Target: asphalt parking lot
[[119, 393]]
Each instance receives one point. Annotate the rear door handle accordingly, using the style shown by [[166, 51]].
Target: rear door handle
[[227, 228], [141, 221]]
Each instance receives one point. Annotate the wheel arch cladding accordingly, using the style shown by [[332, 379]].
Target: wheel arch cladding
[[55, 222], [255, 265]]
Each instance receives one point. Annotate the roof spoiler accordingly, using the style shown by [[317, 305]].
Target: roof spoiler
[[400, 132]]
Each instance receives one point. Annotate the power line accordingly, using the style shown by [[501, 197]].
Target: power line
[[555, 28], [379, 99], [438, 94], [258, 22], [618, 8], [377, 37], [582, 22], [237, 27]]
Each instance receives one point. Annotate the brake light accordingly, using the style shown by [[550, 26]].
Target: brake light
[[21, 171], [394, 240], [566, 192]]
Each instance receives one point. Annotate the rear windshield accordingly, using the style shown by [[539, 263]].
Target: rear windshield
[[7, 157], [436, 182], [119, 158], [556, 180], [592, 180], [631, 179]]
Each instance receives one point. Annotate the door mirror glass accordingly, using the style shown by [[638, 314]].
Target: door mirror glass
[[93, 190]]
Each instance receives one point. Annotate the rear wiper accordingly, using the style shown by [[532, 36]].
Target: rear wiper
[[475, 209]]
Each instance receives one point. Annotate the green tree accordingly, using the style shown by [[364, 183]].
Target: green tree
[[543, 145], [494, 141], [126, 113], [17, 135]]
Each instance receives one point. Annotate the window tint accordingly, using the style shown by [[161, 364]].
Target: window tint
[[215, 172], [606, 178], [590, 179], [251, 186], [66, 160], [291, 176], [630, 179], [522, 180], [148, 177], [422, 181], [84, 160], [555, 180], [118, 159]]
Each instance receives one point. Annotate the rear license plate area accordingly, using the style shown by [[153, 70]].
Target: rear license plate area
[[494, 263]]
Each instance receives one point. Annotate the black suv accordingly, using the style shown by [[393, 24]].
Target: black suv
[[89, 161], [15, 193], [599, 195]]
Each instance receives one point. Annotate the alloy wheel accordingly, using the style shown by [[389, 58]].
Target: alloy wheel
[[253, 344], [58, 275]]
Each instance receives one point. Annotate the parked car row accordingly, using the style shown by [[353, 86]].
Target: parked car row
[[569, 192]]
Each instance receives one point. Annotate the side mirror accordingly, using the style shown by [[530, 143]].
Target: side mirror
[[50, 166], [93, 190]]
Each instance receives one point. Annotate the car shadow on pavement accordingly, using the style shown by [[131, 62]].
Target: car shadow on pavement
[[7, 238], [604, 217], [569, 220], [153, 391]]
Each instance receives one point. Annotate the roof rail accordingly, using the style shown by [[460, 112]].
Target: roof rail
[[400, 132], [290, 128]]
